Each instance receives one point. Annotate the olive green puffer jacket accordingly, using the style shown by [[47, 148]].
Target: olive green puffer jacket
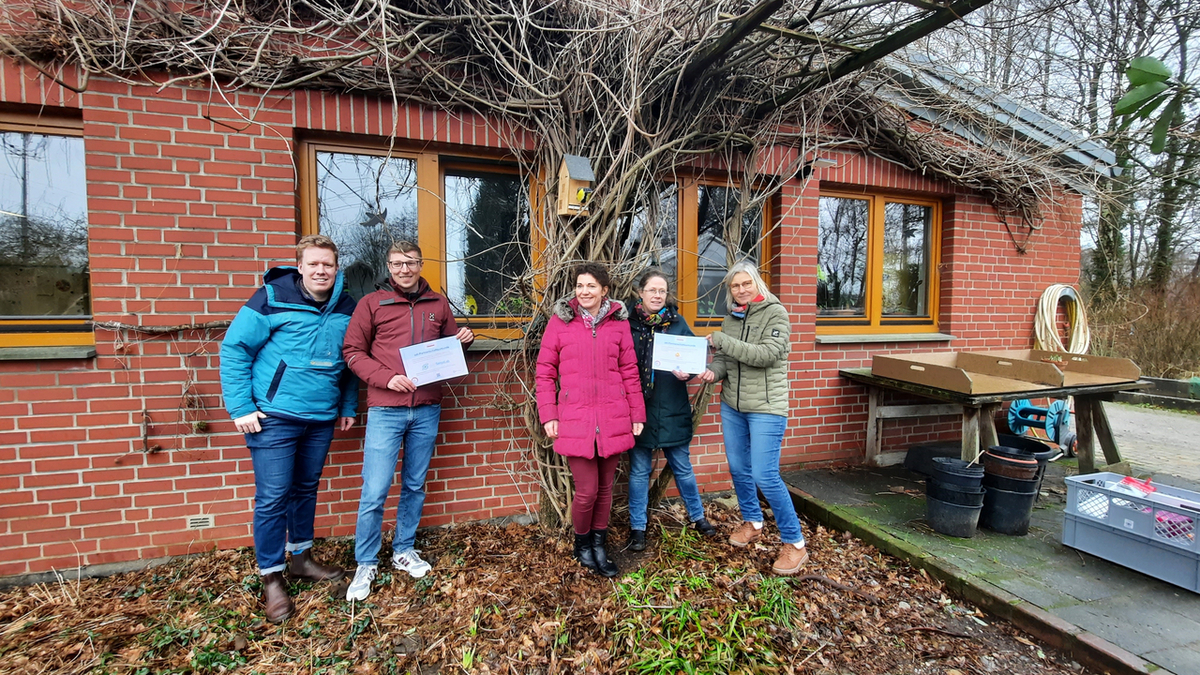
[[752, 358]]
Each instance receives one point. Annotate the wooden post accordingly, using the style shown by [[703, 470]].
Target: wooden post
[[874, 426], [970, 433], [987, 426], [1083, 424], [1104, 433]]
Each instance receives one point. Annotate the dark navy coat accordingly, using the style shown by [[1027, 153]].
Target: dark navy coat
[[668, 408]]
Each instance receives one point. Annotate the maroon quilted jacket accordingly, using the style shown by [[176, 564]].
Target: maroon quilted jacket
[[588, 381], [382, 323]]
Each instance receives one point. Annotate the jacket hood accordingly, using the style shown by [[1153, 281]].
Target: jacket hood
[[283, 288], [565, 309]]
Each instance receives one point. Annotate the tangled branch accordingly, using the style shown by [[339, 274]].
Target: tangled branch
[[653, 92]]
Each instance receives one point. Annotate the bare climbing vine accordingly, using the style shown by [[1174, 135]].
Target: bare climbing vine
[[654, 92]]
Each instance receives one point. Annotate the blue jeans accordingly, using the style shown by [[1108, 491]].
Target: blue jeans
[[288, 457], [752, 443], [387, 428], [641, 464]]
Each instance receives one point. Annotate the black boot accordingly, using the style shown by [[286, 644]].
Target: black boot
[[637, 540], [583, 551], [705, 528], [603, 565]]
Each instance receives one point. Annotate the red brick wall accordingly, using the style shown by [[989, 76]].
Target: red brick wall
[[192, 197]]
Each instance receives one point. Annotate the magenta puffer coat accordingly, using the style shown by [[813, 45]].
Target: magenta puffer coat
[[588, 381]]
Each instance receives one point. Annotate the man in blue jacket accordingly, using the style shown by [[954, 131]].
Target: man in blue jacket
[[286, 387]]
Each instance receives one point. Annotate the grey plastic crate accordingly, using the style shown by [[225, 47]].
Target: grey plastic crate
[[1141, 534]]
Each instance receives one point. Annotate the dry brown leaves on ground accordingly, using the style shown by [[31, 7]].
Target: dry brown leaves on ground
[[511, 600]]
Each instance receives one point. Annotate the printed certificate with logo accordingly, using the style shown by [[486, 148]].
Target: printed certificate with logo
[[434, 361], [680, 352]]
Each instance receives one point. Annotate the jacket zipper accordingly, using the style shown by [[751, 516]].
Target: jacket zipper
[[745, 325], [595, 378]]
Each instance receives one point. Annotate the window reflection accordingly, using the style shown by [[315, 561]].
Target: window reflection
[[365, 204], [487, 242], [905, 258], [43, 227], [654, 233], [842, 256], [720, 219]]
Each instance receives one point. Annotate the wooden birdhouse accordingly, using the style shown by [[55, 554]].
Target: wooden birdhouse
[[575, 179]]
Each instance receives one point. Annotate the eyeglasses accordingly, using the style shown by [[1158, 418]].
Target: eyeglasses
[[655, 291], [404, 264]]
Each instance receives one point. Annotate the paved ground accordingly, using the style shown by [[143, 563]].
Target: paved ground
[[1114, 618], [1157, 441]]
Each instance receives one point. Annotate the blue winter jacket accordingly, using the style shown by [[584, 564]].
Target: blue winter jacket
[[283, 356]]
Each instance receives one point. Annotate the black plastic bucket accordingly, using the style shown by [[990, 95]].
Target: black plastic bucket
[[1042, 452], [952, 519], [1007, 512], [991, 480], [1010, 462], [954, 471], [960, 495]]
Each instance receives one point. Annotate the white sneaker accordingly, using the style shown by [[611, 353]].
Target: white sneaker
[[360, 588], [410, 562]]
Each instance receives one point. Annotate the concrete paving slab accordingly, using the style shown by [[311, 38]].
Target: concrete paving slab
[[1133, 624], [1034, 580], [1183, 659], [1033, 588]]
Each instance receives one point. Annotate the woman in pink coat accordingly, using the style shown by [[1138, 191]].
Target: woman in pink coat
[[590, 402]]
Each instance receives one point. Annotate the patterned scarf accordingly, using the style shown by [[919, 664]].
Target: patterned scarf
[[589, 321], [740, 310], [643, 341]]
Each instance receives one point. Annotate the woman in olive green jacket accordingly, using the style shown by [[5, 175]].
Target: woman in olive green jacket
[[752, 363]]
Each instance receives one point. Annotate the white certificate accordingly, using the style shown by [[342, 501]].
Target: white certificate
[[680, 352], [434, 361]]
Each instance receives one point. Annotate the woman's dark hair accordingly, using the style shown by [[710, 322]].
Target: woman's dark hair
[[597, 271], [645, 277]]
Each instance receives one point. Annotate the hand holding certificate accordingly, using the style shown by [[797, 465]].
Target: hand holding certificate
[[434, 361], [680, 352]]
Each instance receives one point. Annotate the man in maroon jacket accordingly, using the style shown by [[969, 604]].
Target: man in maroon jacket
[[405, 313]]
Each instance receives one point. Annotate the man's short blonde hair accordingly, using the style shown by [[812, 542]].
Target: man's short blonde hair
[[315, 241]]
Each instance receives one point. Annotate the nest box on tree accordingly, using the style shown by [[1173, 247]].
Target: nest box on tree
[[575, 179]]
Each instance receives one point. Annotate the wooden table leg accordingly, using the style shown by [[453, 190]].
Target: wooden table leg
[[970, 433], [1084, 451], [874, 426], [987, 426], [1104, 434]]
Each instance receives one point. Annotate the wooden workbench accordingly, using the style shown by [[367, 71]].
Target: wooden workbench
[[979, 413]]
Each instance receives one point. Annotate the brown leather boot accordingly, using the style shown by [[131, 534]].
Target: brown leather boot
[[275, 597], [304, 566]]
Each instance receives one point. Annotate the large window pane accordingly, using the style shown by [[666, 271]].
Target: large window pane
[[43, 227], [720, 220], [842, 256], [906, 259], [487, 242], [365, 204], [654, 234]]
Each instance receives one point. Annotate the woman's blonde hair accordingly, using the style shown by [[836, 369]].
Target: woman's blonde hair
[[749, 268]]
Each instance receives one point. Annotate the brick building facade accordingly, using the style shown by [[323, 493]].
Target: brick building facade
[[113, 441]]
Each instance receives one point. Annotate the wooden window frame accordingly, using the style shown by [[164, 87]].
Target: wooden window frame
[[431, 168], [873, 322], [46, 331], [687, 249]]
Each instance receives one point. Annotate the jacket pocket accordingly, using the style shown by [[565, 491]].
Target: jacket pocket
[[274, 388]]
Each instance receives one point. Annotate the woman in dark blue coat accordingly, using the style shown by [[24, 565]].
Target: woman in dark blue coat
[[668, 410]]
